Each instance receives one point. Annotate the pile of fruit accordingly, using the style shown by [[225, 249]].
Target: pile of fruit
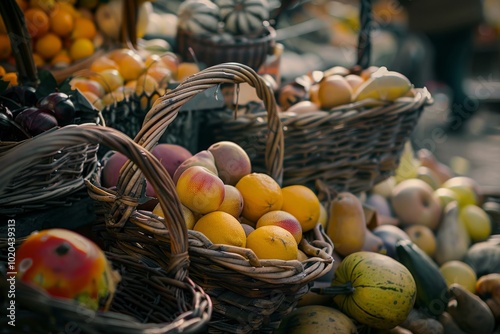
[[336, 86], [432, 230], [223, 199], [123, 72]]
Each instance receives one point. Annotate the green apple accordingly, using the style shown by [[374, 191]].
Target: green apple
[[465, 188], [476, 221]]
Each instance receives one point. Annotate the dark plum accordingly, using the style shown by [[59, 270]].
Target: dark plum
[[61, 105], [36, 120], [23, 95]]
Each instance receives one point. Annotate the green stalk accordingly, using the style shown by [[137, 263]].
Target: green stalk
[[341, 289]]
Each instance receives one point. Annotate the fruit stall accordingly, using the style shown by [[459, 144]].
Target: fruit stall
[[164, 171]]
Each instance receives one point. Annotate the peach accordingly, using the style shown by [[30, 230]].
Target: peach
[[200, 190], [111, 169], [87, 85], [233, 201], [171, 156], [203, 158], [231, 160], [282, 219], [110, 79]]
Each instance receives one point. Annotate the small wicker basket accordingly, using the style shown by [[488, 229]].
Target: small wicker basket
[[245, 50], [350, 148], [249, 295], [150, 298], [51, 178]]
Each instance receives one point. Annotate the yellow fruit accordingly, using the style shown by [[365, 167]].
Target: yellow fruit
[[221, 228], [261, 194], [130, 64], [303, 203], [323, 216], [103, 63], [48, 45], [188, 215], [10, 77], [61, 59], [273, 242], [354, 81], [109, 79], [333, 91], [476, 221], [423, 237], [185, 70], [37, 22], [383, 85], [39, 61], [2, 71], [61, 22], [465, 189], [84, 28], [459, 272], [145, 83], [81, 48]]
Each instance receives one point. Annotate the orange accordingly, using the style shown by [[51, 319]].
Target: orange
[[273, 242], [84, 28], [37, 22], [48, 45], [459, 272], [10, 77], [282, 219], [185, 69], [109, 79], [303, 203], [188, 215], [23, 4], [130, 65], [81, 48], [261, 194], [5, 47], [62, 58], [221, 228], [61, 22], [2, 71]]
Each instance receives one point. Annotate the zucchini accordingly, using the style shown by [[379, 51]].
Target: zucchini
[[432, 289]]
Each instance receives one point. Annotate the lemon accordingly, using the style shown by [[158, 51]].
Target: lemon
[[459, 272], [476, 221]]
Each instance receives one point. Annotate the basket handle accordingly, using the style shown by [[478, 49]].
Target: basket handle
[[364, 40], [20, 40], [166, 108], [20, 157]]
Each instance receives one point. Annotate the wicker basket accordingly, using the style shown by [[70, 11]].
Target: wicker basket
[[149, 298], [249, 51], [349, 148], [249, 295], [51, 178]]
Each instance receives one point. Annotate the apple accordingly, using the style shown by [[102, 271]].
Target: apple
[[413, 203]]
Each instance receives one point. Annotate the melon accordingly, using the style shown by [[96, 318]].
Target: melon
[[243, 17]]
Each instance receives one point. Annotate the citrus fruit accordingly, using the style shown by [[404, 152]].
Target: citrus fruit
[[48, 45], [185, 69], [84, 28], [61, 59], [221, 228], [188, 215], [261, 194], [37, 22], [61, 22], [81, 48], [459, 272], [273, 242], [476, 221], [10, 77], [233, 201], [109, 79], [5, 47], [103, 63], [200, 190], [303, 203], [282, 219]]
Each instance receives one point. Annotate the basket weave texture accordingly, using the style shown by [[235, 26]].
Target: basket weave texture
[[248, 294], [150, 298], [244, 50], [51, 178], [349, 148]]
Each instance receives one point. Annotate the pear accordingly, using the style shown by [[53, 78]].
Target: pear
[[452, 238]]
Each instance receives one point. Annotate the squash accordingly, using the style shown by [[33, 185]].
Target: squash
[[484, 257], [243, 17], [373, 289], [198, 17], [316, 319], [432, 289]]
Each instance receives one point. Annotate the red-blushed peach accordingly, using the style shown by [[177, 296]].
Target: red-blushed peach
[[200, 190], [203, 158], [111, 169], [282, 219], [231, 160], [233, 201]]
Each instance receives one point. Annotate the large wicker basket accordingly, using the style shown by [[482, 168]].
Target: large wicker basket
[[53, 178], [350, 148], [249, 295], [150, 298]]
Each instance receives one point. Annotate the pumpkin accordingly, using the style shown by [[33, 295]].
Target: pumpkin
[[373, 289], [199, 17], [243, 17]]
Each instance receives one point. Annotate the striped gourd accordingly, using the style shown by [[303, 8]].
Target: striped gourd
[[243, 17], [198, 16]]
